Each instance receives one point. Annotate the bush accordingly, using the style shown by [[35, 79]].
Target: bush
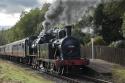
[[118, 44], [97, 41]]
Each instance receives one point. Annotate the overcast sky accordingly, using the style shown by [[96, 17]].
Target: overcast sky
[[10, 10]]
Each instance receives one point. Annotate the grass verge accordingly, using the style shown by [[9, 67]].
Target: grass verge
[[10, 73], [118, 74]]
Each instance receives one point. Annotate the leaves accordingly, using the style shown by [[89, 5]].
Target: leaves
[[108, 17], [28, 25]]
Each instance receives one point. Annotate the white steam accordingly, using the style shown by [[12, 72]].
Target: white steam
[[67, 11]]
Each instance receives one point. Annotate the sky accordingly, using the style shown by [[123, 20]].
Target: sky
[[10, 10]]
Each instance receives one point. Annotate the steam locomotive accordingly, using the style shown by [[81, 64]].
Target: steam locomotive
[[54, 51]]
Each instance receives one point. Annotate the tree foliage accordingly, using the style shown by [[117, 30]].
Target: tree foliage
[[123, 26], [97, 41], [2, 38], [108, 20], [118, 44], [30, 23]]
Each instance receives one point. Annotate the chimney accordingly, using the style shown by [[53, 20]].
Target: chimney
[[68, 30]]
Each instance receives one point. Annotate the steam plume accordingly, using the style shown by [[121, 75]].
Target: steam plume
[[67, 11]]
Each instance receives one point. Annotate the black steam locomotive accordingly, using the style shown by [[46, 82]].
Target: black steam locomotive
[[54, 50]]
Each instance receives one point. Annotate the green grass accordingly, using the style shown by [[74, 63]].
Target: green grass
[[10, 73], [119, 74]]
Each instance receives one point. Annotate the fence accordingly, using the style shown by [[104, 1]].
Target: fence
[[114, 55]]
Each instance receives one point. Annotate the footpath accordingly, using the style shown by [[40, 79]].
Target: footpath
[[104, 67], [101, 66]]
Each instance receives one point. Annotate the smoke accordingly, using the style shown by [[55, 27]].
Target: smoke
[[67, 11]]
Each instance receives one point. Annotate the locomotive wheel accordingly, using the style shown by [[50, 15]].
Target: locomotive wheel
[[35, 63], [60, 70], [46, 66], [52, 68]]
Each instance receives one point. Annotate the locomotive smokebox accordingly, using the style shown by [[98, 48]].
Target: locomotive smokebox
[[68, 30]]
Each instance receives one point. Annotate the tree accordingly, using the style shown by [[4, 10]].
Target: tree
[[98, 18], [123, 26], [30, 23], [108, 21], [2, 37]]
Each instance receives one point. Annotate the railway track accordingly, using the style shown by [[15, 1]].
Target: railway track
[[87, 79], [75, 78], [95, 80], [72, 78], [49, 75], [66, 79]]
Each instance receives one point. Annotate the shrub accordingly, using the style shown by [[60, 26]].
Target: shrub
[[97, 41], [118, 44]]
